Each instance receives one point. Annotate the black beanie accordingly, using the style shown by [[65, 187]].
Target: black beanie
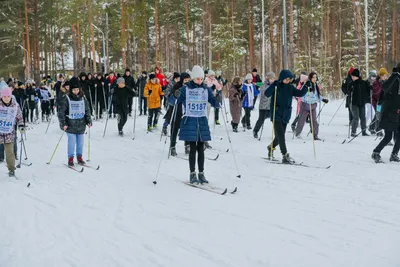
[[74, 83], [127, 69], [152, 76], [356, 73], [176, 75], [184, 75], [254, 70]]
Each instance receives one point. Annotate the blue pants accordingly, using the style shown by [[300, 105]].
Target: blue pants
[[2, 149], [75, 140]]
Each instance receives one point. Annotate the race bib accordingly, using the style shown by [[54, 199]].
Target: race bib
[[76, 109], [7, 119], [196, 102], [45, 95]]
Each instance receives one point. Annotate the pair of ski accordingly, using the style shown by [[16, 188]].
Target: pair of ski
[[211, 188], [185, 158], [79, 169], [301, 164]]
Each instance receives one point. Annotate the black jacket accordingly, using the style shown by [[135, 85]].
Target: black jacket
[[74, 126], [130, 82], [390, 99], [345, 89], [30, 95], [120, 97], [141, 83], [360, 92]]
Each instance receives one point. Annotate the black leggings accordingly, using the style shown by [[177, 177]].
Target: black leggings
[[199, 148], [385, 141], [280, 129]]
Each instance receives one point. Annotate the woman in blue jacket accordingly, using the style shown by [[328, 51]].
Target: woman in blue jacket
[[250, 93], [194, 97], [281, 110]]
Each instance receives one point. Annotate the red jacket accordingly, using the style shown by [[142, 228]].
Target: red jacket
[[161, 77], [376, 91]]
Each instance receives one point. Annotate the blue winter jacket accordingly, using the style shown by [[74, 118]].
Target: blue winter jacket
[[195, 129], [285, 93], [245, 102]]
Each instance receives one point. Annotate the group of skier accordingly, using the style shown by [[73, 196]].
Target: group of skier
[[188, 98]]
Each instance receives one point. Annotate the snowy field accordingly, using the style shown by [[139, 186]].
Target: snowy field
[[281, 216]]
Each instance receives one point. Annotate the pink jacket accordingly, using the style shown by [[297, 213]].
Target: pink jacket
[[9, 138]]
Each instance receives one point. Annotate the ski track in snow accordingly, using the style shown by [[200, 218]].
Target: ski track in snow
[[281, 216]]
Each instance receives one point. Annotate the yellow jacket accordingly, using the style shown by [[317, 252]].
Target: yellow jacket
[[153, 99]]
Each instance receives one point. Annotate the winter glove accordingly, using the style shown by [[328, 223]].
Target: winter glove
[[378, 108], [177, 93], [325, 100], [21, 128], [150, 91]]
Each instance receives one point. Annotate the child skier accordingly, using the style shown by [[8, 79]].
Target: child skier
[[251, 92], [74, 115], [194, 96], [121, 99], [10, 114], [44, 96], [153, 92], [281, 93], [265, 103]]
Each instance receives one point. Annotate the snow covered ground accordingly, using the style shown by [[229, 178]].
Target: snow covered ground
[[282, 216]]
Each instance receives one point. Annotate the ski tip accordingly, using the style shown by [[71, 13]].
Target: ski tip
[[221, 138], [28, 185], [98, 168], [234, 190], [216, 157], [227, 150], [82, 169], [239, 176], [26, 158], [344, 141], [225, 191], [328, 167], [18, 166], [154, 182]]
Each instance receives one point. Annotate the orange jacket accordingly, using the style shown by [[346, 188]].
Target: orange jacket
[[153, 99]]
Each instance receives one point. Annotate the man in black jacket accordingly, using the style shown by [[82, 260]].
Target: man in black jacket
[[141, 83], [360, 94], [389, 107], [121, 96], [345, 85], [129, 82]]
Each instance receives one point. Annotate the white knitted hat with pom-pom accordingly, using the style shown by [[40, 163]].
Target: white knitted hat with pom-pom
[[197, 72]]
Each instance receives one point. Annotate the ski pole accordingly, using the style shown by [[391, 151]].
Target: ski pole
[[23, 145], [334, 115], [134, 120], [48, 124], [20, 153], [105, 101], [357, 134], [273, 126], [105, 127], [262, 126], [88, 145], [230, 143], [96, 110], [172, 123], [312, 125], [159, 163], [54, 152]]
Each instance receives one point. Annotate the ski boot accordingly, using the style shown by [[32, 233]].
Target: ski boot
[[376, 157], [298, 136], [235, 129], [130, 114], [217, 122], [293, 127], [80, 160], [255, 135], [187, 149], [394, 157], [71, 161], [164, 130], [121, 133], [353, 135], [287, 159], [364, 133], [249, 127], [202, 179], [193, 178], [316, 138], [207, 145], [149, 128], [11, 173], [173, 152], [270, 153]]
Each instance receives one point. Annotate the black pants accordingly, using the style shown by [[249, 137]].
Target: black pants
[[216, 117], [130, 102], [199, 148], [262, 115], [52, 106], [143, 105], [45, 106], [280, 130], [246, 117], [350, 115], [153, 116], [296, 120], [122, 118], [385, 141]]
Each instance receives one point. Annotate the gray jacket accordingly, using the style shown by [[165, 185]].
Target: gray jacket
[[265, 102]]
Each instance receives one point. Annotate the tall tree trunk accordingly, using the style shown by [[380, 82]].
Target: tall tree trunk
[[36, 52], [251, 32], [187, 29], [92, 35], [272, 38], [79, 48], [157, 29], [74, 49], [384, 34], [291, 35], [394, 32], [27, 41], [123, 34], [46, 50]]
